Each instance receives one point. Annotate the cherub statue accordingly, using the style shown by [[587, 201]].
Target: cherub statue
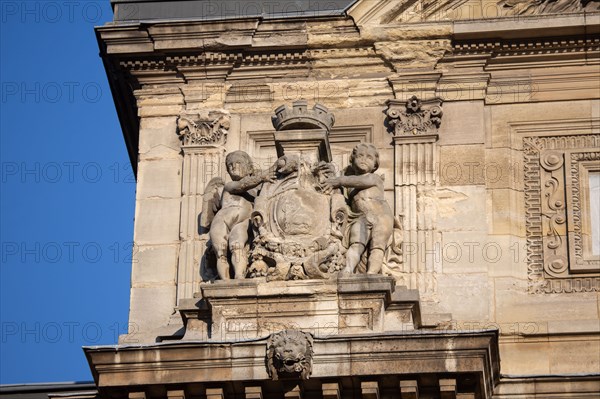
[[229, 215], [374, 223]]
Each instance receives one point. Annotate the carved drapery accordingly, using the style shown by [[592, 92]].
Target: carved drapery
[[554, 212]]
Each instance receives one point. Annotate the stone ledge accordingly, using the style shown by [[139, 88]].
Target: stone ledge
[[360, 356], [528, 26], [565, 386], [246, 309]]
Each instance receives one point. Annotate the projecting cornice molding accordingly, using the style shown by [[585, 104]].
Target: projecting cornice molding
[[249, 49], [229, 62], [378, 12], [473, 355]]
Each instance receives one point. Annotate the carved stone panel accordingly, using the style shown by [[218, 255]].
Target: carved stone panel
[[307, 219], [554, 213], [554, 220]]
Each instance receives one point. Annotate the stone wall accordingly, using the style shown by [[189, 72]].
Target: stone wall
[[476, 231]]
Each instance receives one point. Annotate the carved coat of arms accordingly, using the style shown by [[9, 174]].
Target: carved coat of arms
[[298, 219]]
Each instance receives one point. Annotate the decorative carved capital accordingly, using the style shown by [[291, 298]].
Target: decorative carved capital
[[194, 130], [414, 117], [289, 355], [300, 117]]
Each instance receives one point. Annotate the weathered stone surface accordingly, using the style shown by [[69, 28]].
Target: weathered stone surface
[[412, 54], [568, 358], [456, 289], [462, 165], [465, 252], [582, 386], [157, 139], [506, 120], [154, 304], [506, 217], [463, 123], [163, 227], [159, 179], [399, 32], [154, 264], [526, 358], [514, 304], [503, 169], [470, 246], [461, 208], [219, 363], [505, 256], [350, 304]]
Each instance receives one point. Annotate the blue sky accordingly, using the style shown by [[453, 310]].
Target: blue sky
[[67, 193]]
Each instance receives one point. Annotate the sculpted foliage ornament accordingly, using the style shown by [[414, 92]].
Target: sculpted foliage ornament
[[290, 355], [414, 117], [193, 130]]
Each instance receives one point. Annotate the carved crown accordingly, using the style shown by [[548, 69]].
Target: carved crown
[[300, 117]]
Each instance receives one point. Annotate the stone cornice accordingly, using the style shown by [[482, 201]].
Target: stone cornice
[[528, 26], [402, 354], [542, 387], [323, 49]]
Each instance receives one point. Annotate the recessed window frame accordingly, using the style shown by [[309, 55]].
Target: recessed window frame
[[581, 257]]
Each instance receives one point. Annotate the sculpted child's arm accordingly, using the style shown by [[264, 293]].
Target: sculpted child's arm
[[242, 185], [361, 182], [248, 182]]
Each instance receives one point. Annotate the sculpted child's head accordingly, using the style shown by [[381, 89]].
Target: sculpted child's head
[[239, 165], [364, 158]]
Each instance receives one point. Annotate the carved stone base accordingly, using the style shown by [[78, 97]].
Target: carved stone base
[[248, 309]]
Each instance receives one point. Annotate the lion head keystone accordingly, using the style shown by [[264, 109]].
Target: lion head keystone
[[289, 355]]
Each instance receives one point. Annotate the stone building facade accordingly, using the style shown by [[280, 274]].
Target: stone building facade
[[486, 119]]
